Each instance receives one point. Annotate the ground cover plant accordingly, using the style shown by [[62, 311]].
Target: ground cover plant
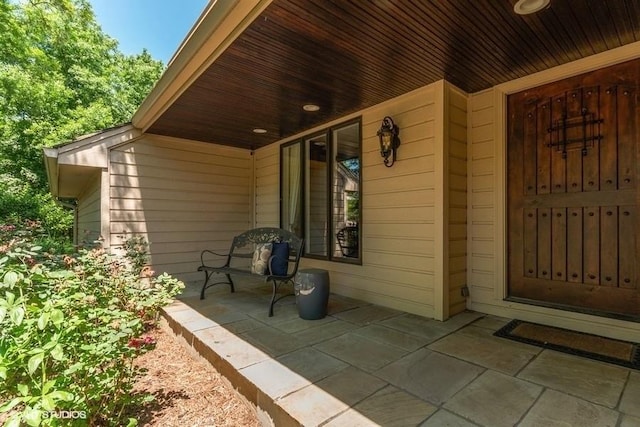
[[71, 327]]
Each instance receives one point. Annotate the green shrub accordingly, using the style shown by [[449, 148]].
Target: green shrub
[[56, 220], [20, 201], [32, 233], [70, 328], [15, 199]]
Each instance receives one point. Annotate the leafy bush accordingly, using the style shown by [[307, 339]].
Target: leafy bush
[[56, 220], [15, 198], [70, 328], [19, 201], [35, 234]]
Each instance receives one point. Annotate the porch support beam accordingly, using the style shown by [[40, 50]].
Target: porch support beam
[[441, 215]]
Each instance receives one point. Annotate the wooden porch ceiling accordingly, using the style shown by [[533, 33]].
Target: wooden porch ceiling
[[348, 55]]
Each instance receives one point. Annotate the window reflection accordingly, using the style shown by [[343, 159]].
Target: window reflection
[[346, 191], [316, 196]]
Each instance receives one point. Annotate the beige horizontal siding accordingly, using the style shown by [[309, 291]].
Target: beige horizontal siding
[[88, 219], [397, 207], [183, 196], [267, 182], [456, 132], [481, 262]]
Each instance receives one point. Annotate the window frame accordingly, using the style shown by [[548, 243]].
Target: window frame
[[302, 194]]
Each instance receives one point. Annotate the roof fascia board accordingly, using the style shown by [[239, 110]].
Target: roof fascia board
[[91, 151], [219, 25], [108, 138], [51, 167]]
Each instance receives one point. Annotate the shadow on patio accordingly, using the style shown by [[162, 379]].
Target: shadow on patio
[[368, 365]]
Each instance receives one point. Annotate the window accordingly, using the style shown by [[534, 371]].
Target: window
[[320, 192]]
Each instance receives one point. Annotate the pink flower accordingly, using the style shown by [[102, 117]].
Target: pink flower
[[147, 341]]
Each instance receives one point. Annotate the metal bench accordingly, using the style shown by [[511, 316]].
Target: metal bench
[[243, 247]]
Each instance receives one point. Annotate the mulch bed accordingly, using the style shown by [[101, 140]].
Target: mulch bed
[[187, 391]]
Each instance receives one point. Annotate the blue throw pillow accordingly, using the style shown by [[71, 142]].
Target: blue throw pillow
[[279, 263]]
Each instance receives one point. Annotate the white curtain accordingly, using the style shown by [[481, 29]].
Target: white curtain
[[292, 196]]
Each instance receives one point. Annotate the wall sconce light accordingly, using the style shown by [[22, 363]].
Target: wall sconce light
[[389, 141]]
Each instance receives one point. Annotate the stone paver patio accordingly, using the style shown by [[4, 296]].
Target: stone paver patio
[[366, 365]]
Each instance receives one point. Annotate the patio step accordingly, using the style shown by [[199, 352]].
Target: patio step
[[233, 357]]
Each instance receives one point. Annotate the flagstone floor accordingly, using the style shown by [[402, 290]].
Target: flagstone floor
[[366, 365]]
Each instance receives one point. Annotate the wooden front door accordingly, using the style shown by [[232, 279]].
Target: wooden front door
[[573, 199]]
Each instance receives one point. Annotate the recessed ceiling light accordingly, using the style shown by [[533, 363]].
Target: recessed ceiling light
[[259, 130], [310, 107], [526, 7]]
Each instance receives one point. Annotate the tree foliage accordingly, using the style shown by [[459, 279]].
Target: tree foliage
[[61, 77]]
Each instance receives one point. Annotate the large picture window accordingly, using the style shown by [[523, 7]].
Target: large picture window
[[321, 192]]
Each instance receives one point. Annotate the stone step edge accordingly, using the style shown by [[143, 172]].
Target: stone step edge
[[268, 411]]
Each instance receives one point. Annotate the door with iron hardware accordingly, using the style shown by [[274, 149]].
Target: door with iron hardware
[[573, 199]]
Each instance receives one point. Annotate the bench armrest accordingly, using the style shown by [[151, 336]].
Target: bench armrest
[[206, 251]]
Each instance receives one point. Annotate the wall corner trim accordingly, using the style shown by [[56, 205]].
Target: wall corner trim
[[441, 255]]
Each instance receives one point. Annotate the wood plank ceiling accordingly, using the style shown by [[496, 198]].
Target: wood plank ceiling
[[348, 55]]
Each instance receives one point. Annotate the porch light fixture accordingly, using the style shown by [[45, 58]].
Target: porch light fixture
[[311, 107], [389, 141], [259, 131]]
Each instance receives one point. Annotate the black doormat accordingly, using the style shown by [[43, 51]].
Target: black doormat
[[609, 350]]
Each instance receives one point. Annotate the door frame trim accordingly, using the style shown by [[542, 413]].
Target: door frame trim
[[573, 309], [500, 93]]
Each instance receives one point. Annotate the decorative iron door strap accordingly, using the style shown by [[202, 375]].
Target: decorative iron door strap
[[573, 133]]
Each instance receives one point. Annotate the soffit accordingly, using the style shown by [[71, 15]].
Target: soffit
[[349, 55]]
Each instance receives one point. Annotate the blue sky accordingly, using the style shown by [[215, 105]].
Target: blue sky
[[157, 25]]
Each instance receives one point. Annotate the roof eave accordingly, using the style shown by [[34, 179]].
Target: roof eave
[[87, 153], [51, 166], [219, 25]]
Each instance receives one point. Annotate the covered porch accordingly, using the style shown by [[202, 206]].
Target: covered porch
[[212, 152], [365, 364], [258, 83], [408, 339]]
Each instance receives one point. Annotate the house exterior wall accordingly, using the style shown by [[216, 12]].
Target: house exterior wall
[[267, 186], [398, 206], [183, 196], [88, 226], [482, 223], [456, 141], [486, 263]]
